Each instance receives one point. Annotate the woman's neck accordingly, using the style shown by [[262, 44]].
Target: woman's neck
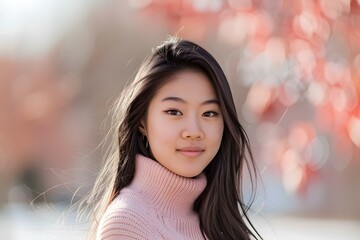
[[169, 193]]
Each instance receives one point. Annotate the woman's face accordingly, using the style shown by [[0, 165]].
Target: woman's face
[[184, 123]]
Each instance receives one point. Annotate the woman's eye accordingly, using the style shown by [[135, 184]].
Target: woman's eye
[[174, 112], [210, 114]]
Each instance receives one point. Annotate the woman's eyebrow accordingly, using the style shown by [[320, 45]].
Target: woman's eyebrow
[[177, 99], [211, 101]]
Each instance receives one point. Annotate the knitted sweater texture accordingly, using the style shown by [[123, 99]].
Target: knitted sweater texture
[[158, 204]]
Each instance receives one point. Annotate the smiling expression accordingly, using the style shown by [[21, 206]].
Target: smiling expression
[[184, 123]]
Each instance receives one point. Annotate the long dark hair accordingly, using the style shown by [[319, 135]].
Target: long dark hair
[[221, 208]]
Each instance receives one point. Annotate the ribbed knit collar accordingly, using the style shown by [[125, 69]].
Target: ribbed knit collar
[[169, 193]]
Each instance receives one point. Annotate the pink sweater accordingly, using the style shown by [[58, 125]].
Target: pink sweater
[[156, 205]]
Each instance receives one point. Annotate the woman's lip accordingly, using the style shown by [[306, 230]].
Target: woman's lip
[[191, 151]]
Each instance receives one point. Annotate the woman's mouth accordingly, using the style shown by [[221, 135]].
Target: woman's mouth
[[191, 151]]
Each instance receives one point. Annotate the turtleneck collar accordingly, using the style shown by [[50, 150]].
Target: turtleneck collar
[[170, 194]]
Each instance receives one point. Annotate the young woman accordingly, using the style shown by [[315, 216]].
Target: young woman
[[175, 170]]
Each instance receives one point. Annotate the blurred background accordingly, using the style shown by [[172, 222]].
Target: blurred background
[[294, 68]]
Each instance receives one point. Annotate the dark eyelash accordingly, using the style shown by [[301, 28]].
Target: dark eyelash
[[173, 112], [212, 112]]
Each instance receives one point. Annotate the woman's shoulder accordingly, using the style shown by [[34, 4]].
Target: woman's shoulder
[[127, 203], [127, 206], [127, 217]]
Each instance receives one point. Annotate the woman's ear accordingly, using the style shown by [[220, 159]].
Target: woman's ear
[[142, 128]]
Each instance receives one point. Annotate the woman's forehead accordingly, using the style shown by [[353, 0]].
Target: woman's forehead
[[191, 84]]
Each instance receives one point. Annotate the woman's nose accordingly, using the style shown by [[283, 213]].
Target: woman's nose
[[192, 130]]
